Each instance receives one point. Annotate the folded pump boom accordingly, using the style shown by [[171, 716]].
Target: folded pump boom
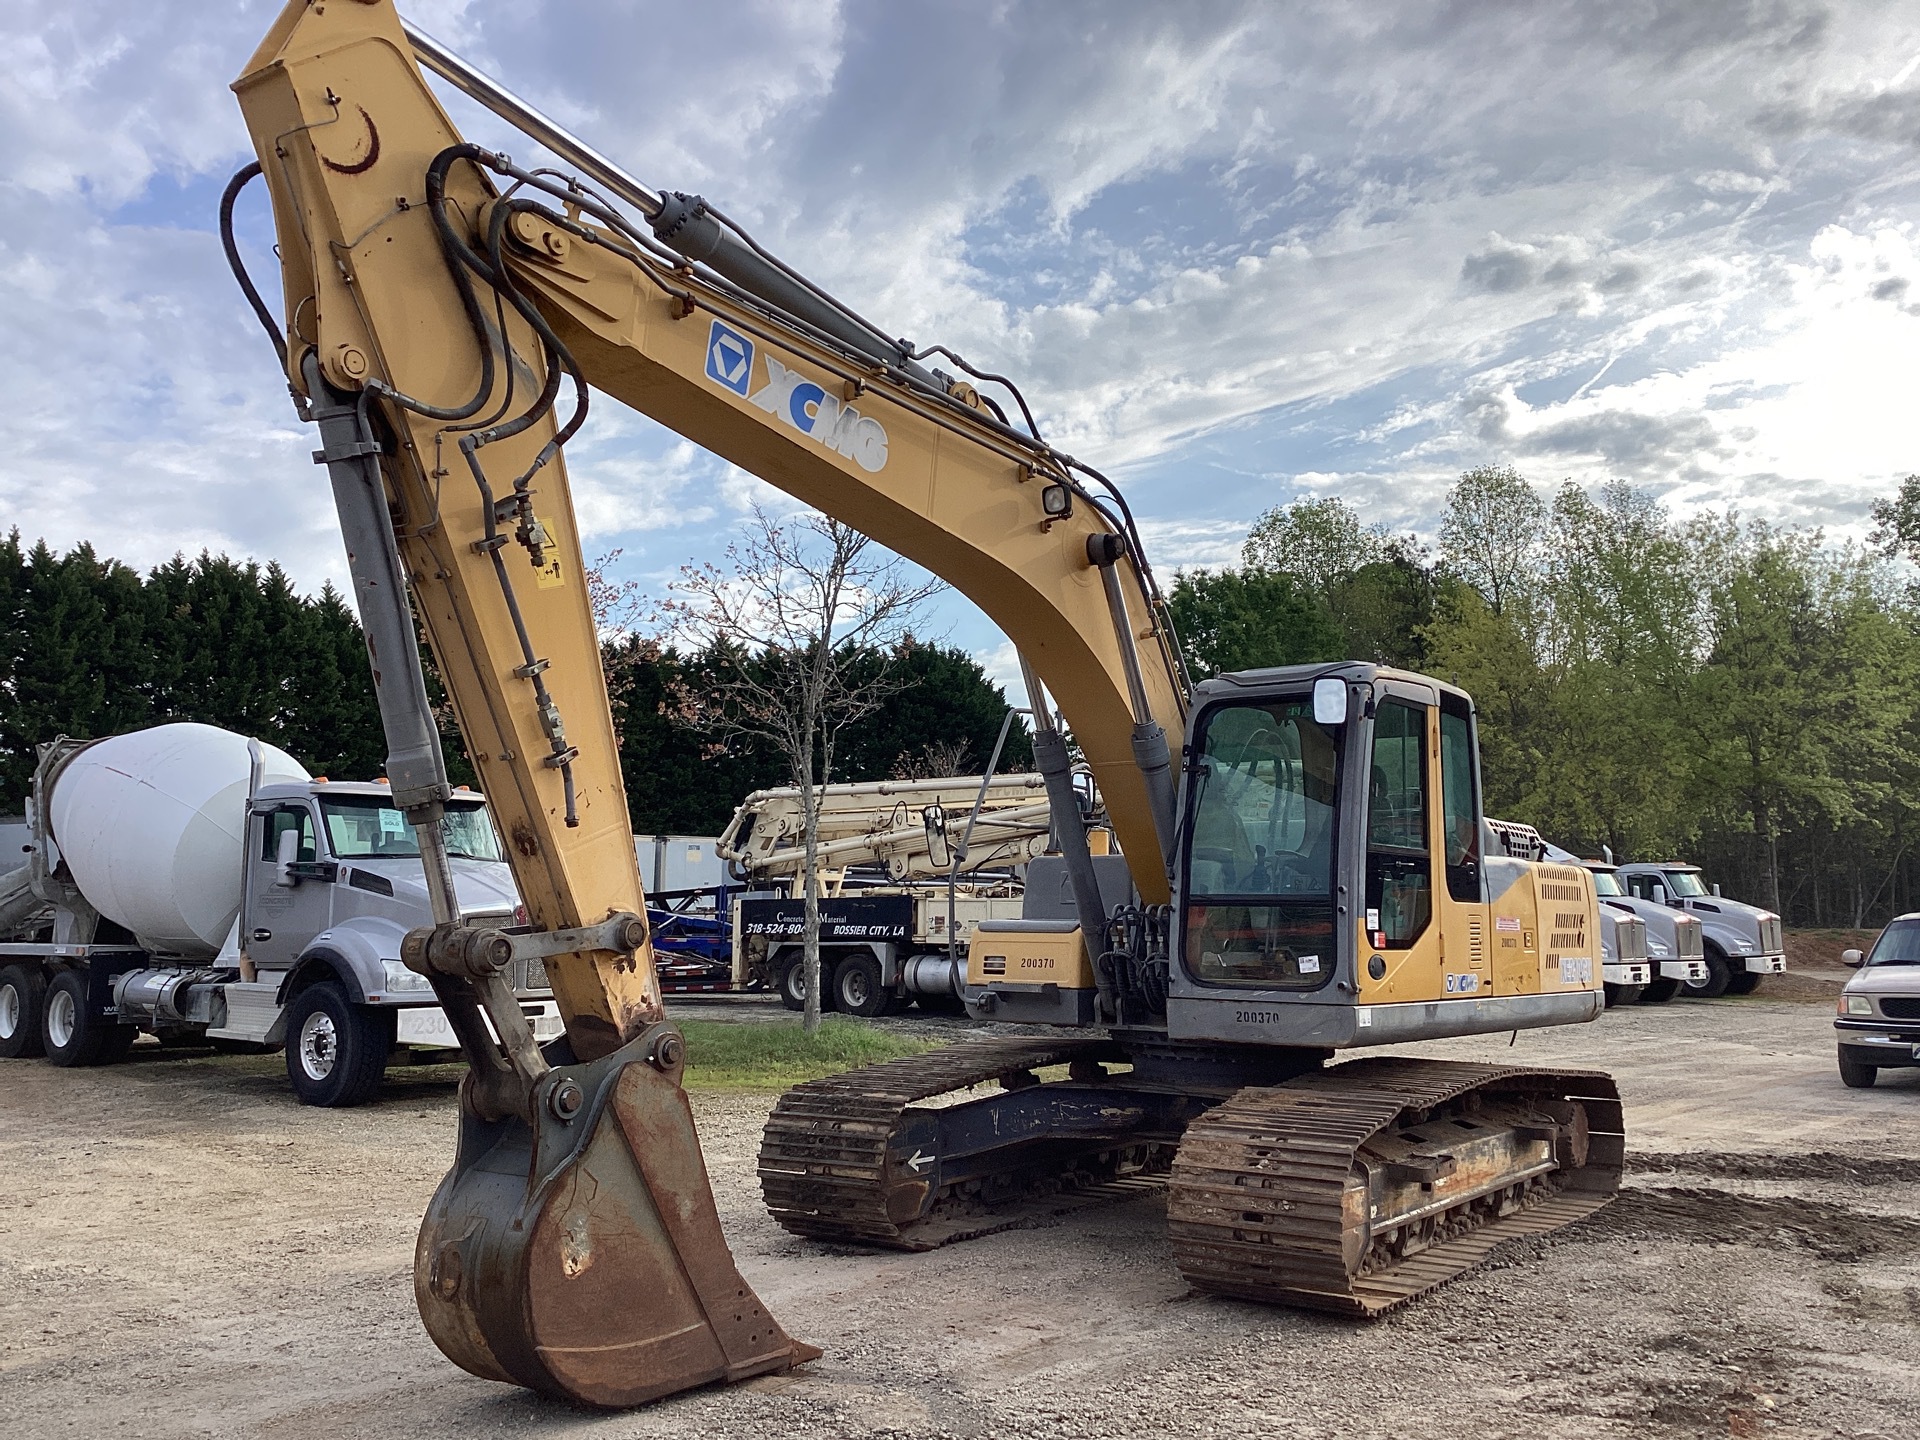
[[1308, 868]]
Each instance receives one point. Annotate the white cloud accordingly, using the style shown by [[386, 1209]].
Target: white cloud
[[1322, 249]]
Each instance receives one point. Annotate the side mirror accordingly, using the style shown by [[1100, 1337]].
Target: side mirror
[[1716, 892], [285, 851], [1660, 895], [1330, 700], [939, 852], [1852, 958]]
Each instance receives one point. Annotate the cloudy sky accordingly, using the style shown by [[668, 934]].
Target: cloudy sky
[[1236, 253]]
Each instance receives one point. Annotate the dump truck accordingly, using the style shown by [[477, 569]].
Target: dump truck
[[1740, 943], [192, 884], [1675, 950]]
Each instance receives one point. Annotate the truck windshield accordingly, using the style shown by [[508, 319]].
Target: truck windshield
[[1259, 892], [1604, 884], [1899, 944], [365, 827], [1685, 883]]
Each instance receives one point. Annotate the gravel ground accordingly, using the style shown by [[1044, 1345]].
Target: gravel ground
[[187, 1252]]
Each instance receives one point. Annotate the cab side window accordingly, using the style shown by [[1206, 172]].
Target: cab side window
[[1399, 864], [278, 822], [1459, 814]]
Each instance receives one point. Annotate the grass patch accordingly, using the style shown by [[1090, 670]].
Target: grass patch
[[771, 1055]]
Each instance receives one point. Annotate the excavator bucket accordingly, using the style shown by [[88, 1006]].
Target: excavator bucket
[[574, 1248], [582, 1257]]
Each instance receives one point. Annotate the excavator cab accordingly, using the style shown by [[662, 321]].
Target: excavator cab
[[1331, 887]]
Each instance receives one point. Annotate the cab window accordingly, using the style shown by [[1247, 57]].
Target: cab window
[[1260, 837], [1399, 867], [1459, 815], [278, 823]]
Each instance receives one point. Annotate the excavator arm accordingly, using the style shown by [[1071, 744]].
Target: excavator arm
[[445, 314]]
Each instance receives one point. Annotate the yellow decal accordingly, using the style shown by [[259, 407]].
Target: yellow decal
[[549, 574]]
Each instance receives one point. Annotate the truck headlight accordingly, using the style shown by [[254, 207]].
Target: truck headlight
[[1855, 1005], [399, 977]]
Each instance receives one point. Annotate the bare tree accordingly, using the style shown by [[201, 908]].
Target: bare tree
[[804, 613], [619, 606], [935, 760]]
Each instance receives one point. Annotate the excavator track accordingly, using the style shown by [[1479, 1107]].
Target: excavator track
[[839, 1160], [1268, 1198], [1353, 1189]]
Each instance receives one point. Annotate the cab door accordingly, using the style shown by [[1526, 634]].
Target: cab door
[[282, 918]]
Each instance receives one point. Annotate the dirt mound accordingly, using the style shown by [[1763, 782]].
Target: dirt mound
[[1816, 1165], [1692, 1213]]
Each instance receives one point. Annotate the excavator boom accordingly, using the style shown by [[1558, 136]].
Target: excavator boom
[[443, 335]]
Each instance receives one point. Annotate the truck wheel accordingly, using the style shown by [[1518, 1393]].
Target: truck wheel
[[1623, 994], [70, 1034], [1854, 1075], [336, 1050], [1659, 990], [1719, 975], [23, 991], [793, 982], [856, 987], [1743, 982]]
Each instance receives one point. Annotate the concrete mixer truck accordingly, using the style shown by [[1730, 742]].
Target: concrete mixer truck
[[193, 884]]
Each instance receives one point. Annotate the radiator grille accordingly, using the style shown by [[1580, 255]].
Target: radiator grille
[[1687, 942], [1900, 1007], [1630, 935], [1476, 942]]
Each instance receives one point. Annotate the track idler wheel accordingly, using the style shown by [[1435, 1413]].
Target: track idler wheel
[[581, 1255]]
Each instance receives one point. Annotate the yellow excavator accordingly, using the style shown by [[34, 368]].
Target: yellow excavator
[[1307, 867]]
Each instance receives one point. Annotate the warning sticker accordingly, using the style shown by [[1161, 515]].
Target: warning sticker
[[550, 574]]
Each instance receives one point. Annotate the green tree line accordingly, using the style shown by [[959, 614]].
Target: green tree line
[[1733, 693], [93, 647]]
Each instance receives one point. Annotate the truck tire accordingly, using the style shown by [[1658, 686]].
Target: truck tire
[[336, 1050], [793, 982], [1659, 990], [71, 1034], [1854, 1075], [1719, 975], [856, 986], [1743, 982], [1623, 994], [23, 991]]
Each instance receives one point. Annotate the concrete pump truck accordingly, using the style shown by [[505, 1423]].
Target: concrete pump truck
[[1309, 869]]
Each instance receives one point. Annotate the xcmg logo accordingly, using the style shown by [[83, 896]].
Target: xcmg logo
[[792, 398]]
